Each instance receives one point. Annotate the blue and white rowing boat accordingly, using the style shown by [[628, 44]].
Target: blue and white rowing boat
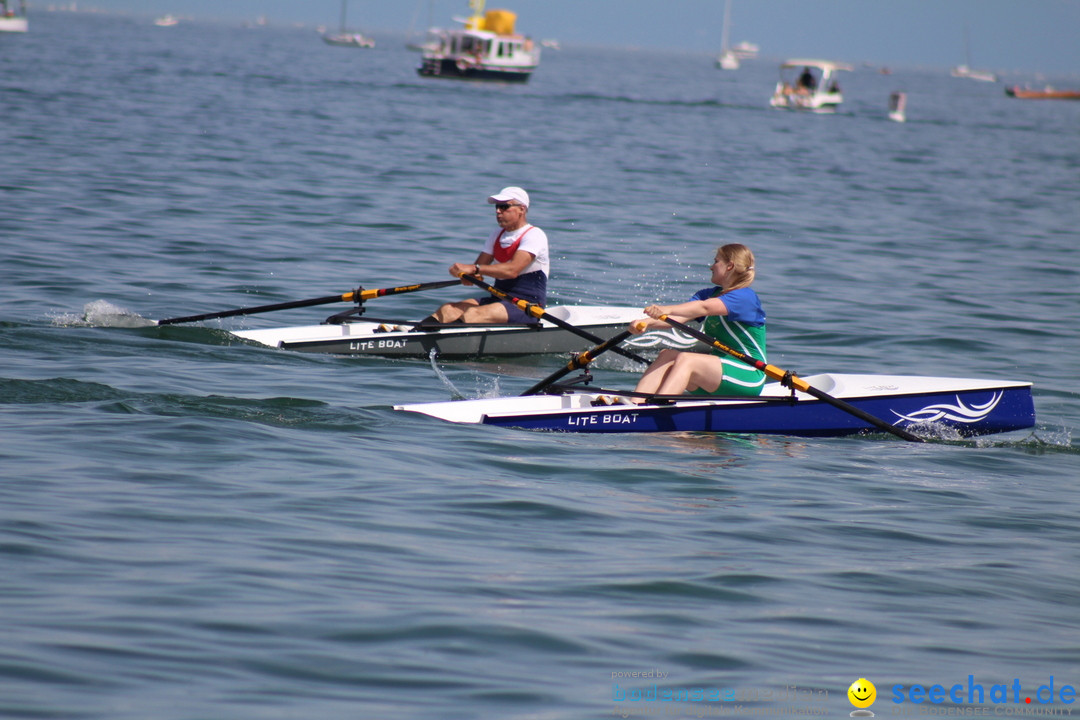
[[967, 407]]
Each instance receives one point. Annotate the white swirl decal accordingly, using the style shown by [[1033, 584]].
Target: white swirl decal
[[663, 338], [954, 413]]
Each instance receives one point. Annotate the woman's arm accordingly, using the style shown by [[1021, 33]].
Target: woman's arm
[[683, 312]]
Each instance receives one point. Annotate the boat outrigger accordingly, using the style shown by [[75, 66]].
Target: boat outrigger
[[809, 85], [486, 48], [968, 407]]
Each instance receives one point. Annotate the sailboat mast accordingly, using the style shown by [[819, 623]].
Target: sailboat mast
[[724, 33], [344, 3]]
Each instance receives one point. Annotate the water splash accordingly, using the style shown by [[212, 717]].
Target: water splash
[[102, 313], [433, 356], [488, 389]]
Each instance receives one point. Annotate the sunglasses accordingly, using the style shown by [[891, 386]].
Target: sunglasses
[[503, 207]]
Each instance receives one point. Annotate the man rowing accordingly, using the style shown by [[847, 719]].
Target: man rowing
[[515, 255]]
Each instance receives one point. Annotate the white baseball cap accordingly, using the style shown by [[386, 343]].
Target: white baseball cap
[[511, 193]]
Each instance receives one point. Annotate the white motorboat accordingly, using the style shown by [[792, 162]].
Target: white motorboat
[[487, 47], [809, 85], [13, 16], [745, 50]]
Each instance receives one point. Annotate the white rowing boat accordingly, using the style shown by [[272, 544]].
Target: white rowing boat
[[389, 338]]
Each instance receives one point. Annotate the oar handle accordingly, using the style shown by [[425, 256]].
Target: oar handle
[[578, 361], [538, 312], [791, 380]]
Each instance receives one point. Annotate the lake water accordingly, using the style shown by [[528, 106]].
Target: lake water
[[193, 527]]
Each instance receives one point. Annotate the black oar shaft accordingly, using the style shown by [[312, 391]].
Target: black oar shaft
[[358, 295], [793, 381], [538, 312], [579, 361], [347, 297]]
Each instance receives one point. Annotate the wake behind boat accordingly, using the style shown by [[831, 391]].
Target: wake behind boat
[[390, 338], [966, 406]]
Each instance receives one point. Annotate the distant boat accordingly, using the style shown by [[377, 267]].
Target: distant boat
[[727, 60], [12, 17], [431, 39], [966, 71], [486, 48], [745, 50], [349, 40], [166, 21], [814, 88], [344, 38], [963, 71], [1047, 93], [898, 107], [430, 42]]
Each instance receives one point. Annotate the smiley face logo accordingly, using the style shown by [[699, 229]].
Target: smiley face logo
[[862, 693]]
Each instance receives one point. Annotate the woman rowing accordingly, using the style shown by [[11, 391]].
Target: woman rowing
[[733, 316]]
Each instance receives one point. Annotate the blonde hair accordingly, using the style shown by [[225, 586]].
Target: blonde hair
[[740, 256]]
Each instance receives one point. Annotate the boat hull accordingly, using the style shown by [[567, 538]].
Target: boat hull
[[15, 23], [1025, 94], [449, 344], [819, 102], [967, 407], [462, 69], [345, 40], [468, 341]]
